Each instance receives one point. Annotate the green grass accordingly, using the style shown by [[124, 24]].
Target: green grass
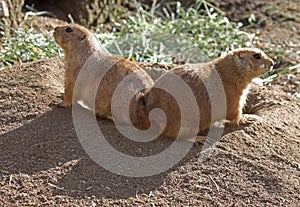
[[197, 34], [23, 45]]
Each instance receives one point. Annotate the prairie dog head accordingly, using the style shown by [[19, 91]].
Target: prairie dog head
[[251, 62], [73, 38]]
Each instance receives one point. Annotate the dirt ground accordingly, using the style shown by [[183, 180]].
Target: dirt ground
[[43, 163]]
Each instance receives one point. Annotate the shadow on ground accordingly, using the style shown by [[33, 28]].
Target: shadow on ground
[[50, 143]]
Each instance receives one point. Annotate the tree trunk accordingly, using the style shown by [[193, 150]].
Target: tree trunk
[[89, 13], [15, 18], [92, 13]]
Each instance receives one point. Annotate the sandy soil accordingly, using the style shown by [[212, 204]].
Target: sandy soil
[[43, 163]]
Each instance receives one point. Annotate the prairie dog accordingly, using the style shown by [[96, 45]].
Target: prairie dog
[[235, 71], [82, 50]]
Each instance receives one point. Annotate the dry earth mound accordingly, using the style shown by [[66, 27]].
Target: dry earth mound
[[43, 163]]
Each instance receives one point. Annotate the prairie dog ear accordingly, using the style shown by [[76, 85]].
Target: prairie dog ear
[[237, 60], [83, 38], [243, 61]]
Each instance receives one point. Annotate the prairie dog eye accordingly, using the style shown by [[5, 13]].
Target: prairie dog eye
[[256, 56], [69, 29]]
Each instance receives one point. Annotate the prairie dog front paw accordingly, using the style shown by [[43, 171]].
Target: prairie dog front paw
[[64, 104]]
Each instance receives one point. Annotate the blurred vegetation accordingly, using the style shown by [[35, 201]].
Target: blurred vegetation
[[167, 35], [178, 35], [26, 45]]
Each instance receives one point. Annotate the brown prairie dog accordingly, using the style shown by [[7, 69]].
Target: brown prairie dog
[[80, 46], [236, 71]]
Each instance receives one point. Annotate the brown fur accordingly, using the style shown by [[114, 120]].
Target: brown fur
[[236, 70], [79, 44]]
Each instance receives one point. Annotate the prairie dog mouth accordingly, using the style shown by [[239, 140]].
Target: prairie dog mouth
[[271, 68], [263, 67], [266, 67]]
